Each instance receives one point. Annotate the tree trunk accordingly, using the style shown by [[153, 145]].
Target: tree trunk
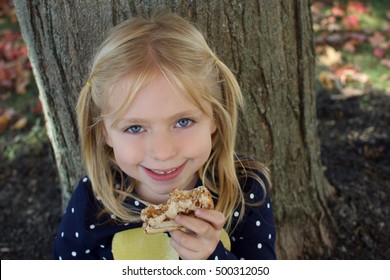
[[269, 46]]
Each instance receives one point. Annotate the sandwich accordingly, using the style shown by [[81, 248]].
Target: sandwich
[[161, 218]]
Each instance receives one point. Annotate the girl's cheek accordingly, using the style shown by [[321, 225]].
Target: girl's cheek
[[128, 151]]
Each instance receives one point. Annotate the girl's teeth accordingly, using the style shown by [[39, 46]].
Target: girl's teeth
[[164, 172]]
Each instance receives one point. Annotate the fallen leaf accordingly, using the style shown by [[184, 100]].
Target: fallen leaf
[[350, 73], [328, 80], [15, 68], [331, 57], [5, 117], [378, 52], [22, 81], [357, 7], [37, 109], [352, 22], [337, 11], [21, 123], [347, 92], [350, 46], [385, 62], [377, 39], [316, 10]]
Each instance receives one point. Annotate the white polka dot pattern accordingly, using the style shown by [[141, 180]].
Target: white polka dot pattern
[[85, 235]]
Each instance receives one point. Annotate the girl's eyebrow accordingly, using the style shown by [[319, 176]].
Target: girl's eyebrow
[[189, 113]]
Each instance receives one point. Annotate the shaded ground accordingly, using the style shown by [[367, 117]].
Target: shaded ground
[[355, 146], [30, 202], [355, 151]]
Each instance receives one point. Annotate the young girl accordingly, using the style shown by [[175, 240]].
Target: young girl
[[159, 111]]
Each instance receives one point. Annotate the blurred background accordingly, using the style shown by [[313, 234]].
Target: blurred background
[[352, 44]]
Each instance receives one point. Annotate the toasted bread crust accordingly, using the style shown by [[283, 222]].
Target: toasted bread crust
[[160, 218]]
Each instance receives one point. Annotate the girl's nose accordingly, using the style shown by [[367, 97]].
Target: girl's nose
[[162, 146]]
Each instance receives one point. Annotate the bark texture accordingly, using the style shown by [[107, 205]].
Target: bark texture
[[269, 46]]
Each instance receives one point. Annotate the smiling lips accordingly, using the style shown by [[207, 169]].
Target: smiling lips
[[164, 174]]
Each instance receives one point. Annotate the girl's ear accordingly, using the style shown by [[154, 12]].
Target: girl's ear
[[107, 136], [213, 126]]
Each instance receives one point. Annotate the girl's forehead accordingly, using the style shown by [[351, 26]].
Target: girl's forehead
[[155, 92]]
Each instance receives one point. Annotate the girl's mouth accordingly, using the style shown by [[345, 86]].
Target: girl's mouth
[[164, 174]]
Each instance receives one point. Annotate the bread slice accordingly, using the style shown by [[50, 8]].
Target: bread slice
[[161, 218]]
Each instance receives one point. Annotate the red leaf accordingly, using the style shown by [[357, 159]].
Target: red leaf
[[378, 52], [15, 69], [37, 109], [338, 12], [350, 73], [356, 7], [352, 22]]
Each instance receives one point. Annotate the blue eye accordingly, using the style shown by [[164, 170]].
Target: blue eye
[[184, 123], [135, 129]]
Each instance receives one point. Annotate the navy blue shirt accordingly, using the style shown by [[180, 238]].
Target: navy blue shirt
[[84, 234]]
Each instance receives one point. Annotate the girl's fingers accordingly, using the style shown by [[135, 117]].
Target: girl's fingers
[[202, 235], [215, 218], [204, 221], [197, 226], [184, 252], [189, 246]]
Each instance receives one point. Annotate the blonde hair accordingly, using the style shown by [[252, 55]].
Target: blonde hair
[[166, 44]]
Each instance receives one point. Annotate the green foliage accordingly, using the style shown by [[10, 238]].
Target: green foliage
[[33, 143]]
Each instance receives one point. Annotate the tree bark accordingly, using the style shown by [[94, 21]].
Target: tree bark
[[269, 46]]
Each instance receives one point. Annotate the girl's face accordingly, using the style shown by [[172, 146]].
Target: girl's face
[[161, 140]]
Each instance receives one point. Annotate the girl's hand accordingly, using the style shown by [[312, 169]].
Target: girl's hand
[[202, 237]]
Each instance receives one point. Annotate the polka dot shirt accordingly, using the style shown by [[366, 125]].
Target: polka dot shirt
[[83, 234]]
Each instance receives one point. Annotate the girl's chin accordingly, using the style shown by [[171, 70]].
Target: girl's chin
[[154, 194], [151, 190]]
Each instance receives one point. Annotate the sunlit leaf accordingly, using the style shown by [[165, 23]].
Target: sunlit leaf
[[22, 81], [348, 92], [326, 79], [331, 57], [5, 116], [350, 73], [20, 124]]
